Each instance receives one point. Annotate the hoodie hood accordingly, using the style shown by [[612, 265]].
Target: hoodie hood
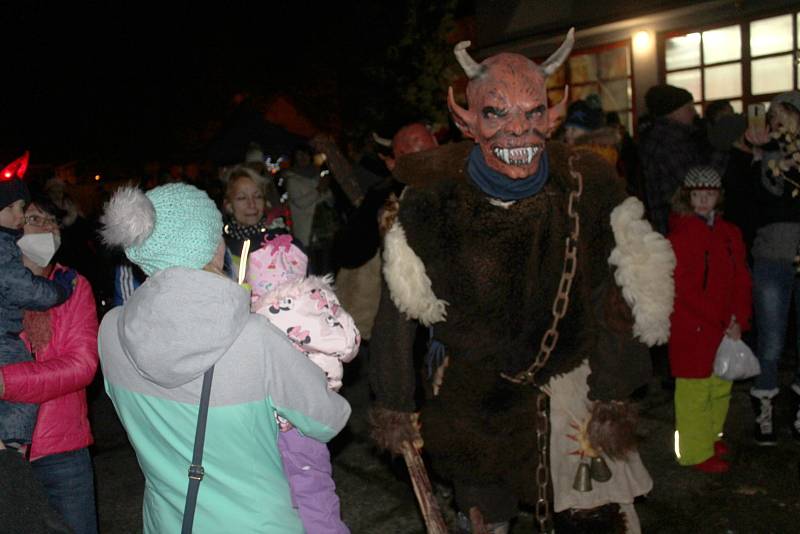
[[180, 322]]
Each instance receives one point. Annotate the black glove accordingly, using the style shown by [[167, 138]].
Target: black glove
[[66, 281]]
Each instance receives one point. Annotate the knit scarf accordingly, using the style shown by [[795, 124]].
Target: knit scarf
[[38, 327], [241, 232], [500, 186]]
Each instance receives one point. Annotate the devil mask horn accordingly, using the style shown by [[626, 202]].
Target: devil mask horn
[[472, 68], [559, 56]]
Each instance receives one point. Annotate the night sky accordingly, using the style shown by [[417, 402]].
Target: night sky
[[112, 81]]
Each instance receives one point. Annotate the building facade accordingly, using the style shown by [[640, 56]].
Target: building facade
[[742, 51]]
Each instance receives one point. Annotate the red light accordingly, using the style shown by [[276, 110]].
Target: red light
[[18, 167]]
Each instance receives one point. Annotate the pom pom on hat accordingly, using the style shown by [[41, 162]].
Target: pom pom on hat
[[174, 225], [702, 177], [128, 219]]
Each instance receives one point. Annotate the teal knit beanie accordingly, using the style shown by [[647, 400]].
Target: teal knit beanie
[[174, 225]]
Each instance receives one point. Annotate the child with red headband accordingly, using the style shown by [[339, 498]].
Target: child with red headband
[[19, 290]]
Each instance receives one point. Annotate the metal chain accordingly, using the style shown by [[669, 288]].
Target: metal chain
[[542, 470], [561, 302], [546, 347]]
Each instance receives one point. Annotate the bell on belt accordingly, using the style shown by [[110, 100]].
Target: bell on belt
[[599, 469], [583, 478]]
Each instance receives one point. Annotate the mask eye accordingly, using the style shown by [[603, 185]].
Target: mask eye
[[491, 112], [536, 112]]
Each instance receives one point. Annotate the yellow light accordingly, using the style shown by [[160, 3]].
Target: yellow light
[[96, 177], [641, 41]]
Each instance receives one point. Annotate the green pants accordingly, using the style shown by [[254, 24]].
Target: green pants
[[701, 406]]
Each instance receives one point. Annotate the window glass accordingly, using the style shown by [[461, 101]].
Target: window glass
[[558, 78], [722, 44], [737, 105], [723, 81], [555, 96], [579, 92], [771, 35], [625, 119], [771, 75], [683, 51], [689, 80], [616, 95], [583, 68], [614, 63]]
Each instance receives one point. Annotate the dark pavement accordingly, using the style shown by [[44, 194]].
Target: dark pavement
[[761, 493]]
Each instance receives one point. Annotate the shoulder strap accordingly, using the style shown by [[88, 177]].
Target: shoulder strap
[[196, 468]]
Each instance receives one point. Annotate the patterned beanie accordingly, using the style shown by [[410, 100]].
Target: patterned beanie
[[277, 262], [702, 177], [174, 225]]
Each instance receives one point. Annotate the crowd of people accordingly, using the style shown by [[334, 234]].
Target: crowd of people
[[221, 324]]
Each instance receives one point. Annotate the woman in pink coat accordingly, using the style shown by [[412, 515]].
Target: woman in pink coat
[[63, 340]]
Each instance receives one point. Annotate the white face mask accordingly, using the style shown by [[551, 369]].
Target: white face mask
[[39, 248]]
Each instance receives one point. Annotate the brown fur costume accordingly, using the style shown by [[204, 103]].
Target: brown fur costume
[[499, 269]]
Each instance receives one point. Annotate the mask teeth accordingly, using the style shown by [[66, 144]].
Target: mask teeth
[[516, 156]]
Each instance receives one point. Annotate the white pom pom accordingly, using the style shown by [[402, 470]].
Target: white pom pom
[[128, 219]]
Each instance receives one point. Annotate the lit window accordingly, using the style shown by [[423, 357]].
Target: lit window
[[603, 71], [708, 62]]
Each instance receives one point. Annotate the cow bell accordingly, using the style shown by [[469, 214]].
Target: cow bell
[[599, 469], [583, 478]]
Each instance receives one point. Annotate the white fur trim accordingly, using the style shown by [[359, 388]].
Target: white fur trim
[[645, 263], [128, 219], [409, 285]]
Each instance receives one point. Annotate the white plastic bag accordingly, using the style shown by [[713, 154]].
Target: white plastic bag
[[735, 360]]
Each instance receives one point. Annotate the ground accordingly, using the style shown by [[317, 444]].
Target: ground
[[758, 495]]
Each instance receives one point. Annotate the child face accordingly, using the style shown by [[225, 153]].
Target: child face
[[13, 215], [704, 201]]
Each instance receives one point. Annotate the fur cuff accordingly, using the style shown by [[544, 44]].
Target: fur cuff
[[612, 428], [644, 262], [390, 429], [409, 286]]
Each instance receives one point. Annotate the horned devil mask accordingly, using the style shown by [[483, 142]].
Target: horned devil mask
[[508, 114]]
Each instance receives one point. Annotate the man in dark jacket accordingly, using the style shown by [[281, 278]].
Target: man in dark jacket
[[667, 149]]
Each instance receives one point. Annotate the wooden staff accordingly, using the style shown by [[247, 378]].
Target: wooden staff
[[434, 523]]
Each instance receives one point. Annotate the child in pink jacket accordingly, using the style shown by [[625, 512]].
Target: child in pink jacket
[[307, 311]]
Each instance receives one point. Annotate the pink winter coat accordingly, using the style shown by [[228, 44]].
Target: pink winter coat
[[57, 379], [309, 313]]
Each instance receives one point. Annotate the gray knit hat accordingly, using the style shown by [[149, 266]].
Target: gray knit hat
[[702, 177]]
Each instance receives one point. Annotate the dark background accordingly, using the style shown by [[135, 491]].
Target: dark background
[[131, 82]]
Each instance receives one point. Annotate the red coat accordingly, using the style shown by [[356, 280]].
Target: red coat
[[712, 283], [57, 379]]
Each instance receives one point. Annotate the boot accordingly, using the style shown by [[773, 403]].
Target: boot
[[473, 524], [764, 433]]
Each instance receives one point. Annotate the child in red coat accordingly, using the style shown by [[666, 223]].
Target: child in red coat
[[712, 299]]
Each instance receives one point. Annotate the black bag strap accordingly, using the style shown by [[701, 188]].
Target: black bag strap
[[196, 468]]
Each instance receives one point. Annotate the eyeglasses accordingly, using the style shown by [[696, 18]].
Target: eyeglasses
[[41, 220]]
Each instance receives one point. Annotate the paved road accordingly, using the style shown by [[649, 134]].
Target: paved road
[[761, 494]]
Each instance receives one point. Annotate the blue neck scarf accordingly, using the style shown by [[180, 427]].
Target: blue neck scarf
[[500, 186]]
